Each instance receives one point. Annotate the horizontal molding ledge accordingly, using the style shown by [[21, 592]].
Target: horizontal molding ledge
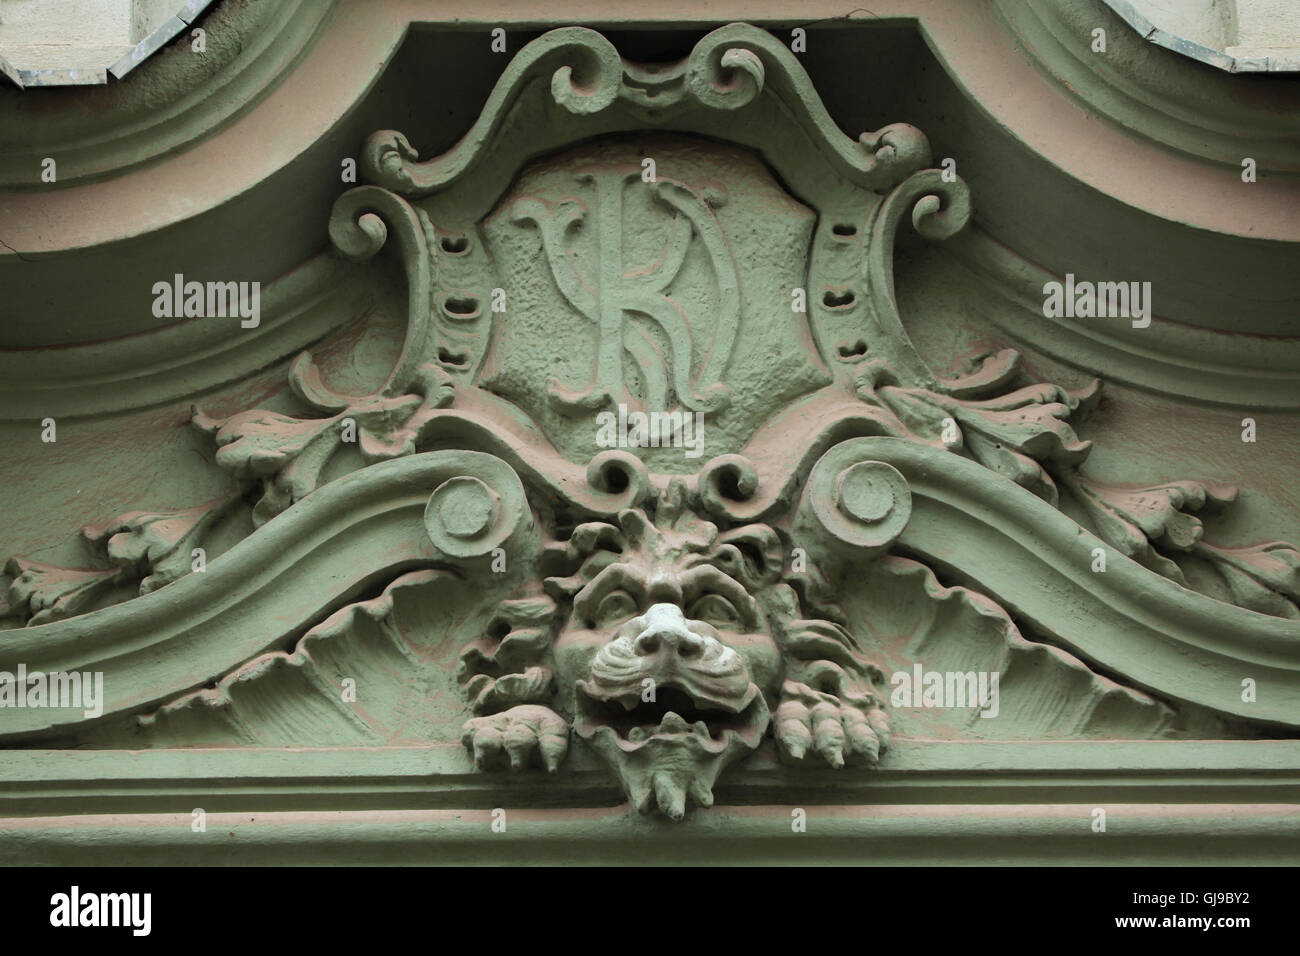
[[40, 783], [1006, 834]]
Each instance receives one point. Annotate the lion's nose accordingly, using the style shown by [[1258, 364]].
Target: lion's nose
[[665, 631]]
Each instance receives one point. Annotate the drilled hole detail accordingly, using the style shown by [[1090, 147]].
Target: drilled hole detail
[[455, 245], [842, 230], [453, 359], [461, 307], [838, 300], [616, 480], [852, 351]]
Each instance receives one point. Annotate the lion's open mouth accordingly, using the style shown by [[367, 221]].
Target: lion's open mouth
[[674, 715]]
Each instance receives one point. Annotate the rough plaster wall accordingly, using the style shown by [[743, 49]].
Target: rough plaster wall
[[1264, 25], [1236, 27], [1208, 22], [148, 15]]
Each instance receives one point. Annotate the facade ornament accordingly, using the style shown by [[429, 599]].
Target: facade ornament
[[698, 252]]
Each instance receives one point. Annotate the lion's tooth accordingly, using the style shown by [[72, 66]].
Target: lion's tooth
[[700, 728], [673, 722], [629, 702], [637, 734]]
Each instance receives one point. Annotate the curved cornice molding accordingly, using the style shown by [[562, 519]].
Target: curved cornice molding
[[1157, 93], [1185, 362], [171, 101], [1038, 159], [181, 360]]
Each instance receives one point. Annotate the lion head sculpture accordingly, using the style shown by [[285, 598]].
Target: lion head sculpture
[[672, 648]]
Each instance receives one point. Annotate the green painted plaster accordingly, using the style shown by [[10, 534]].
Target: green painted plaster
[[462, 554]]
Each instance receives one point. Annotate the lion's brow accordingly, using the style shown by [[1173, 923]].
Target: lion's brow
[[608, 578], [708, 576]]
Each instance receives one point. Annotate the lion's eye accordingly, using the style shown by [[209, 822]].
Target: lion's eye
[[614, 607], [716, 610]]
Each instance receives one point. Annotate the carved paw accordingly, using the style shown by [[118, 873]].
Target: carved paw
[[837, 729], [518, 734]]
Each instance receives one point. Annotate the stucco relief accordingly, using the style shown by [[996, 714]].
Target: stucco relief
[[685, 485]]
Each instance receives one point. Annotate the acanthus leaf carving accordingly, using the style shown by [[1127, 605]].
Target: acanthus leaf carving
[[1157, 524], [1138, 521], [1012, 434], [152, 549], [288, 454], [39, 593], [1263, 577]]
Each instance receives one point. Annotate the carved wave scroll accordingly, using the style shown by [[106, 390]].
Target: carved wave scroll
[[921, 502]]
